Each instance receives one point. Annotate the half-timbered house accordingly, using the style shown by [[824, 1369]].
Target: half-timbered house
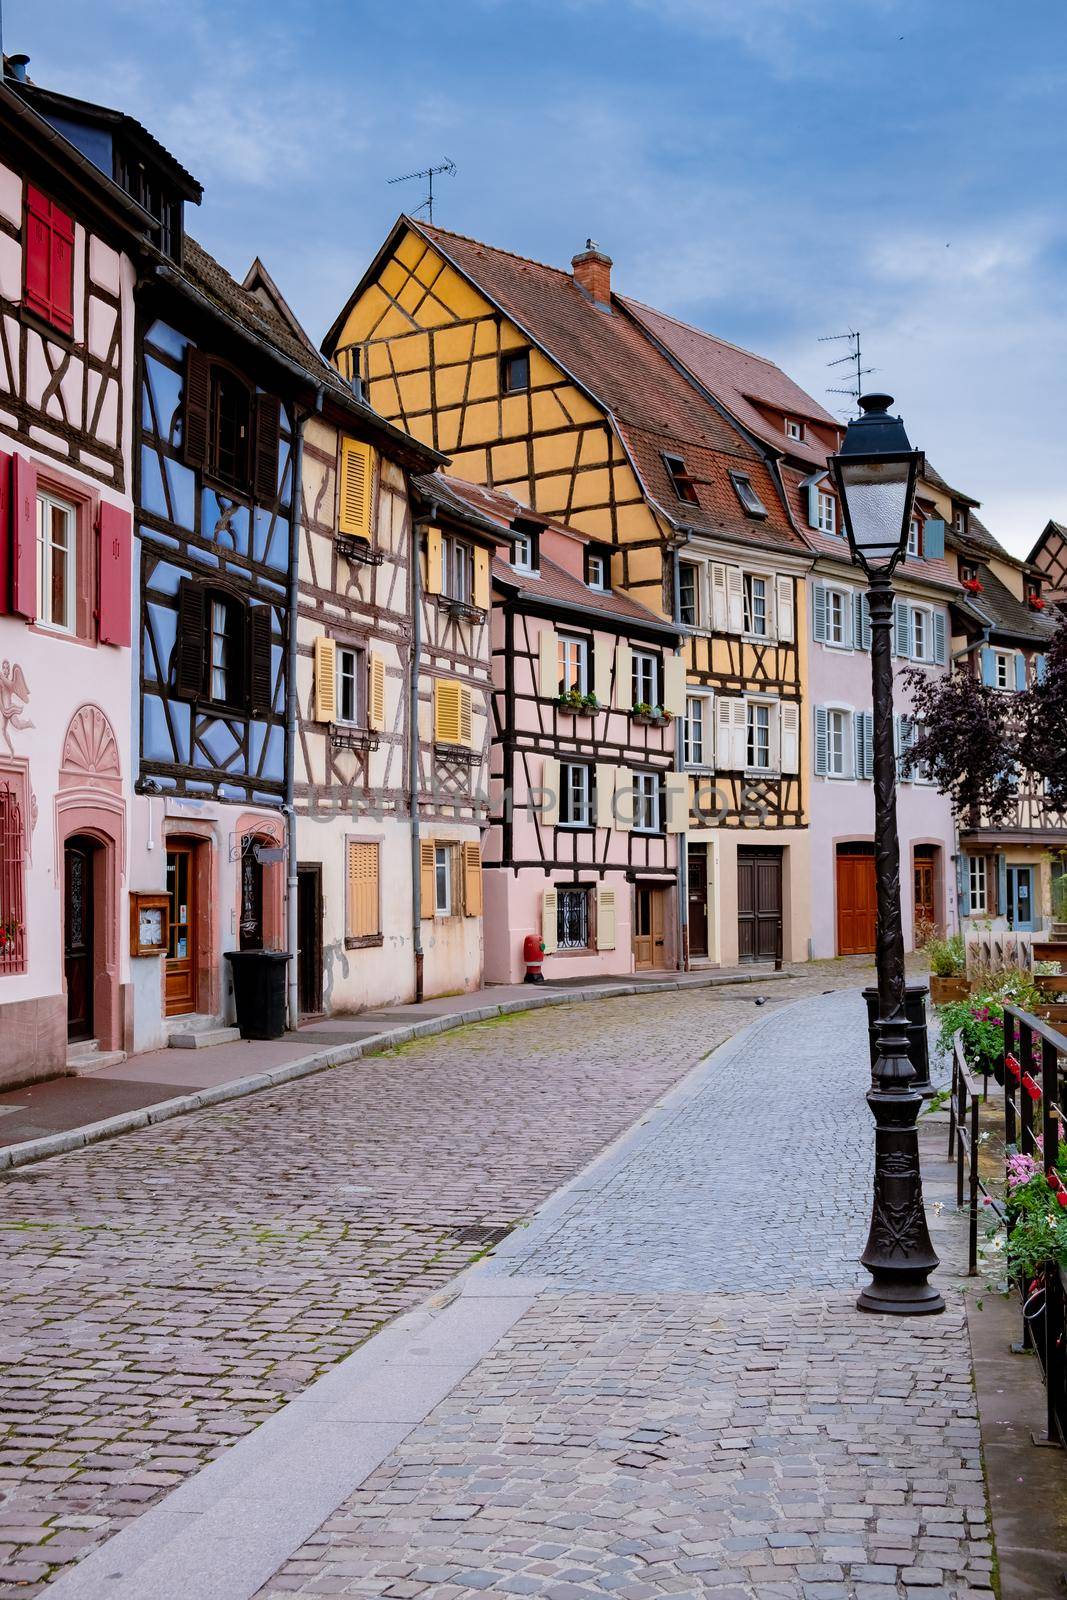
[[70, 243], [1048, 559], [539, 381]]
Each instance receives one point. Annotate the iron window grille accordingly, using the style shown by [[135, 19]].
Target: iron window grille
[[572, 919]]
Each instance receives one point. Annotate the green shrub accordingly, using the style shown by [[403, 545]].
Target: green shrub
[[948, 957]]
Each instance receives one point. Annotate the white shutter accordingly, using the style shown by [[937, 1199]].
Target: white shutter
[[549, 799], [676, 799], [548, 665], [603, 650], [605, 795], [605, 918], [719, 607], [774, 732], [724, 753], [624, 677], [790, 715], [550, 921], [735, 596], [783, 589], [674, 685], [822, 742], [740, 735]]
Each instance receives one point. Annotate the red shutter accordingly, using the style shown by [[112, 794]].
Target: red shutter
[[48, 249], [113, 574], [62, 270], [5, 534], [24, 539]]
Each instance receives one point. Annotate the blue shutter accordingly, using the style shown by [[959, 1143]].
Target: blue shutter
[[933, 540], [1020, 672], [822, 741], [865, 632], [989, 667], [818, 612], [963, 887], [940, 640], [902, 628], [1041, 667], [813, 505], [1002, 884], [868, 744]]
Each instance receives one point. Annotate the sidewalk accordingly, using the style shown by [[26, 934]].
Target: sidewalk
[[660, 1386], [65, 1113]]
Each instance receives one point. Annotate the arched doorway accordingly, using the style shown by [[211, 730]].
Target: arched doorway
[[79, 934]]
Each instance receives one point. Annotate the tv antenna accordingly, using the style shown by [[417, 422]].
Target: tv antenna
[[429, 173], [852, 358]]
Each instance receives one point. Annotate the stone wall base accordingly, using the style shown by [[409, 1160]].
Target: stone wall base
[[33, 1040]]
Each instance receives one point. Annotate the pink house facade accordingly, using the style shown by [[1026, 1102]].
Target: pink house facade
[[588, 813]]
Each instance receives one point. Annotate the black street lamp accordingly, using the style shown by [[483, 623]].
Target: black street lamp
[[875, 474]]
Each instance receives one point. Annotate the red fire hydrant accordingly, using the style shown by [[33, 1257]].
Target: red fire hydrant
[[533, 950]]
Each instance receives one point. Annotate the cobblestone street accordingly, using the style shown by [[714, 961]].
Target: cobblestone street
[[167, 1291]]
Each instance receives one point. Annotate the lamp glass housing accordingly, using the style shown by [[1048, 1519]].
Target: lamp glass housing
[[875, 473]]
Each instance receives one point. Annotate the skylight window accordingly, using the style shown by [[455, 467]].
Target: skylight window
[[750, 500], [681, 482]]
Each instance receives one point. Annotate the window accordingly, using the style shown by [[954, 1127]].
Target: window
[[1003, 675], [572, 919], [573, 664], [689, 594], [750, 500], [363, 914], [695, 743], [794, 429], [350, 685], [914, 545], [755, 605], [575, 798], [646, 803], [230, 426], [524, 554], [442, 880], [977, 885], [837, 609], [826, 512], [959, 520], [225, 627], [48, 261], [920, 634], [837, 744], [681, 482], [597, 570], [515, 372], [458, 569], [57, 524], [758, 737], [968, 573], [645, 679], [224, 651]]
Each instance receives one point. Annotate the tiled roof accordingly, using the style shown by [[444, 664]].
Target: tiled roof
[[979, 538], [932, 475], [835, 546], [655, 407], [1005, 614], [553, 583], [494, 509], [743, 382]]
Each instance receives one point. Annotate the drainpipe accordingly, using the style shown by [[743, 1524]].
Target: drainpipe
[[292, 932], [417, 524], [679, 766]]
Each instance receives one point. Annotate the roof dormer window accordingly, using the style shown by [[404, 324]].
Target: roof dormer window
[[794, 429], [681, 482], [752, 504]]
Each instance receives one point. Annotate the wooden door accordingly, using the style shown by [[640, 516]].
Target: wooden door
[[759, 904], [857, 903], [649, 929], [78, 937], [698, 900], [923, 894], [180, 977], [309, 937]]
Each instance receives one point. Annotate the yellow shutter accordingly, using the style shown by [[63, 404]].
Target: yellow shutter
[[325, 702], [472, 879], [549, 796], [481, 578], [548, 673], [605, 918], [448, 711], [624, 677], [605, 795], [466, 716], [376, 693], [676, 797], [674, 685], [603, 655], [426, 878], [364, 918], [549, 923], [354, 495], [435, 569]]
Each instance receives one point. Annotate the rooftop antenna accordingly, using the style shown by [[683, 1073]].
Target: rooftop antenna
[[429, 173], [851, 358]]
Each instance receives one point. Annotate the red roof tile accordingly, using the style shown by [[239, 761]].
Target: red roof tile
[[553, 583]]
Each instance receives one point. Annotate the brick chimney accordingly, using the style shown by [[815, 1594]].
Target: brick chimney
[[592, 273]]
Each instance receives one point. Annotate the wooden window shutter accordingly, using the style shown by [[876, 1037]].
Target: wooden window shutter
[[940, 640], [676, 800], [196, 404], [902, 627], [548, 675], [325, 692], [624, 677], [603, 654], [481, 578], [605, 795], [114, 557], [364, 920], [62, 270], [472, 879], [790, 737], [548, 806], [674, 685], [376, 692], [735, 600], [37, 250], [24, 538], [354, 490], [466, 716], [435, 561], [819, 612], [719, 608], [625, 800], [190, 647], [427, 895], [268, 434], [822, 742], [260, 674], [785, 623], [605, 918], [5, 533], [550, 921], [447, 711]]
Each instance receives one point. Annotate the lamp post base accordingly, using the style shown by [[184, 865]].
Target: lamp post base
[[901, 1299]]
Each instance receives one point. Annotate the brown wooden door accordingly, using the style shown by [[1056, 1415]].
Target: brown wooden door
[[698, 900], [923, 895], [649, 925], [759, 904], [180, 979], [857, 904], [78, 937]]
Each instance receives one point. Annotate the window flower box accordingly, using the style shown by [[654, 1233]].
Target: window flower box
[[578, 704], [650, 716]]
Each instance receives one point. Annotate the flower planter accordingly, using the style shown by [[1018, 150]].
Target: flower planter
[[944, 990], [1053, 985], [650, 722]]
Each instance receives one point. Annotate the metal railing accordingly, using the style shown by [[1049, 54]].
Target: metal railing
[[964, 1110]]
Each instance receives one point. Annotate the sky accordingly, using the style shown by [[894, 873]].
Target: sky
[[773, 170]]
